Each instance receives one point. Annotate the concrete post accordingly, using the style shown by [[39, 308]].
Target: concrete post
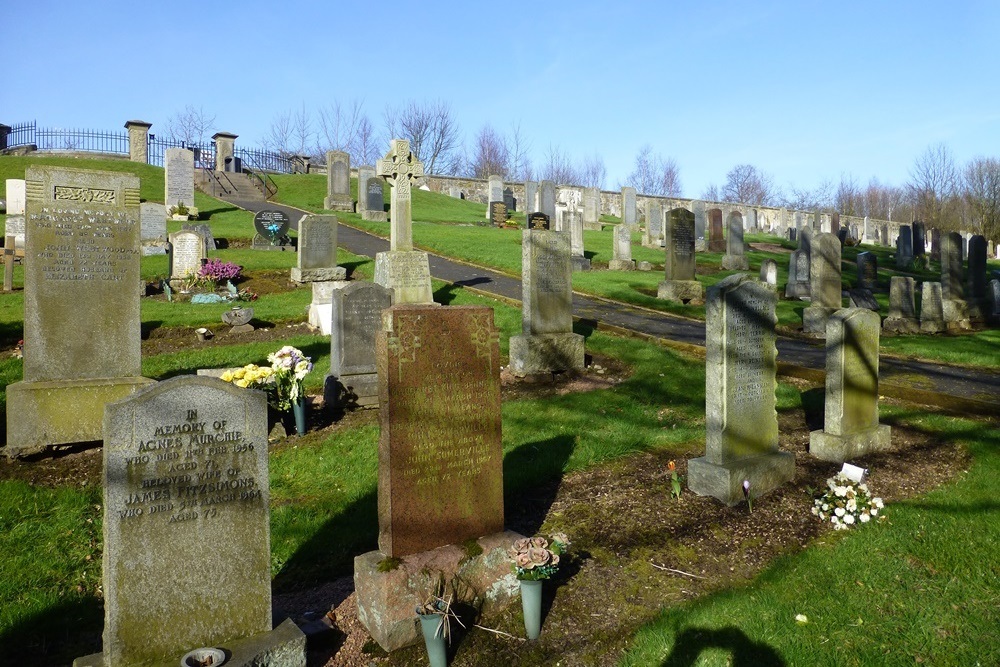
[[224, 144], [138, 140]]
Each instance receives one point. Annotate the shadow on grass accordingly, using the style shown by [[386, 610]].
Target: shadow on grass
[[350, 267], [55, 636], [744, 652], [532, 474]]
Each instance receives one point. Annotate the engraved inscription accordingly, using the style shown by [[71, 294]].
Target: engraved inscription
[[95, 195], [86, 243]]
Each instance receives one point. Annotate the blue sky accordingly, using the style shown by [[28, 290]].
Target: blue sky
[[806, 91]]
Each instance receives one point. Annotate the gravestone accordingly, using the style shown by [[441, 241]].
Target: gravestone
[[842, 235], [716, 241], [15, 224], [440, 467], [338, 182], [152, 228], [494, 187], [547, 342], [932, 309], [904, 247], [860, 297], [935, 235], [826, 289], [531, 197], [919, 239], [356, 317], [652, 235], [404, 270], [741, 422], [508, 199], [976, 286], [902, 316], [574, 224], [621, 249], [884, 235], [835, 228], [867, 270], [205, 231], [547, 199], [994, 300], [83, 245], [628, 208], [187, 254], [734, 259], [592, 209], [869, 234], [700, 226], [371, 202], [186, 527], [498, 213], [271, 229], [557, 221], [679, 283], [178, 172], [317, 252], [850, 426], [799, 285], [539, 220], [956, 313], [769, 273], [321, 306]]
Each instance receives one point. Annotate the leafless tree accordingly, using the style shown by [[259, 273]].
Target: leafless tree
[[291, 133], [804, 199], [981, 180], [746, 184], [593, 173], [490, 155], [934, 187], [346, 127], [885, 202], [366, 147], [192, 126], [558, 167], [849, 199], [518, 147], [432, 131], [654, 174]]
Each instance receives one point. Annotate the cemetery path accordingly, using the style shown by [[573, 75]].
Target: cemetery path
[[956, 388]]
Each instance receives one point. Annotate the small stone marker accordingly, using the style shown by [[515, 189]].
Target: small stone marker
[[679, 283], [338, 182], [902, 316], [186, 528], [860, 297], [356, 318], [539, 220], [826, 289], [402, 269], [734, 259], [272, 230], [628, 208], [82, 248], [317, 255], [621, 249], [769, 273], [498, 213], [178, 173], [742, 424], [547, 342], [867, 270], [932, 309], [187, 252]]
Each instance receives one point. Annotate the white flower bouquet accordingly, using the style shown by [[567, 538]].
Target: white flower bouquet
[[289, 368], [847, 503]]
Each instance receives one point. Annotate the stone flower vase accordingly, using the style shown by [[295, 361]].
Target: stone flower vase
[[531, 604], [431, 626]]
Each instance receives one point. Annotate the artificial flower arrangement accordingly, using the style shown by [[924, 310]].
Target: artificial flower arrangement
[[282, 380], [846, 503], [535, 558]]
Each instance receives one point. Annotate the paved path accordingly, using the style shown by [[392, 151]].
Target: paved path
[[950, 387]]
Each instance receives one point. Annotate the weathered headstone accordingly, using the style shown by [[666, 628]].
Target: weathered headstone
[[919, 239], [317, 252], [700, 226], [592, 209], [884, 235], [371, 200], [869, 233], [652, 235], [509, 200], [83, 245], [826, 289], [152, 223], [574, 223], [679, 283], [861, 297], [402, 269], [205, 231], [187, 253], [531, 197], [186, 482], [494, 186], [178, 172], [547, 342], [902, 316], [956, 313], [547, 199], [867, 270], [338, 182], [799, 285], [769, 273], [994, 300], [741, 421], [904, 247], [851, 428], [621, 249], [716, 240], [735, 259], [356, 317], [321, 306], [628, 208], [498, 213], [15, 224], [935, 235], [977, 291], [932, 309]]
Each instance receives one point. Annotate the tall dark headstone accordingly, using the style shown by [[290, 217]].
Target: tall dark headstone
[[679, 283]]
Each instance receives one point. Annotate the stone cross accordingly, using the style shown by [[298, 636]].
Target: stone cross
[[400, 168], [8, 263]]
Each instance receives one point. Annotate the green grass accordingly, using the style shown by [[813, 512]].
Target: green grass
[[918, 588]]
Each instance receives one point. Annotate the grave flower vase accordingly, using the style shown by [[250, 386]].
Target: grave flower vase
[[299, 410], [430, 625], [531, 604]]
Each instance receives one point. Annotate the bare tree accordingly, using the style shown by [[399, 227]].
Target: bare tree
[[654, 174], [934, 187], [518, 147], [711, 193], [849, 199], [558, 167], [366, 148], [804, 199], [981, 180], [192, 126], [884, 201], [291, 133], [346, 127], [593, 173], [432, 132], [490, 154], [746, 184]]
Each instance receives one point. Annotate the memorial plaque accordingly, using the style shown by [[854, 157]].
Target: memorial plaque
[[271, 226], [187, 250], [440, 451], [538, 220], [375, 196], [186, 528], [498, 213]]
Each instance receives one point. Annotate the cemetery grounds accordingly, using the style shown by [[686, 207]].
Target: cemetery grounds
[[653, 579]]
